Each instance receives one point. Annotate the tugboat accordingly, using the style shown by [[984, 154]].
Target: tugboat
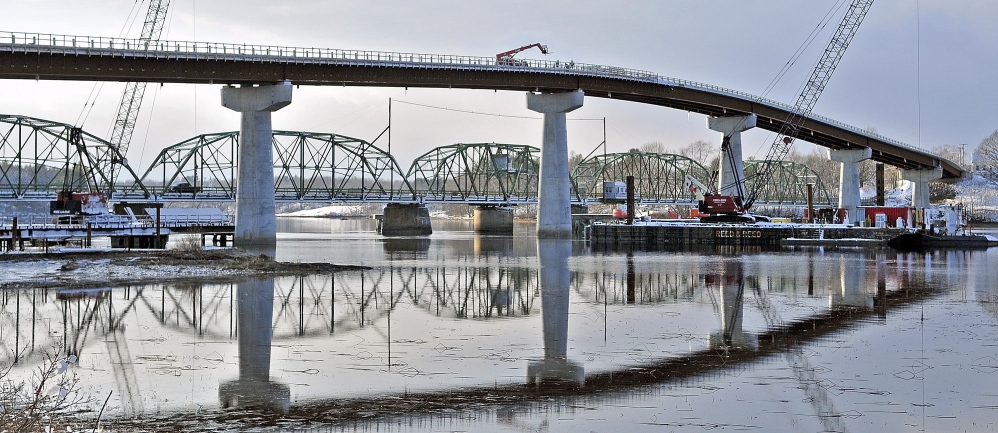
[[945, 229]]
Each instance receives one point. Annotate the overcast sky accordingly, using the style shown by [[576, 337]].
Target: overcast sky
[[922, 72]]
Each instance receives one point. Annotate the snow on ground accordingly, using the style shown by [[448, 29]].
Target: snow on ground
[[335, 210]]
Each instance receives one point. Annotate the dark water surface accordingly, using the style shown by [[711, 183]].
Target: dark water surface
[[458, 332]]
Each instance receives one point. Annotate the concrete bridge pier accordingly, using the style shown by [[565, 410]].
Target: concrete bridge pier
[[406, 219], [554, 216], [732, 176], [494, 220], [556, 280], [920, 188], [256, 220], [849, 198]]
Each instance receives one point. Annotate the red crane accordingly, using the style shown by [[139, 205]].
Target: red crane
[[506, 58]]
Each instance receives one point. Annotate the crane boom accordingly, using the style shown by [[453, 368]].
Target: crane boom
[[506, 58], [131, 98], [812, 90]]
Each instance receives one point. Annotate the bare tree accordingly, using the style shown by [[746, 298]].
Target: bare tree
[[653, 147], [986, 157]]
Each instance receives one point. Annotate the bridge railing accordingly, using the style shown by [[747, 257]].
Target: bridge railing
[[71, 44]]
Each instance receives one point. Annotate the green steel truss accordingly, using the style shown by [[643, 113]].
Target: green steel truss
[[308, 166], [485, 173], [786, 184], [658, 177], [39, 158]]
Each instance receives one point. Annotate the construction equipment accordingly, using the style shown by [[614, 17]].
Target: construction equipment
[[812, 90], [729, 208], [717, 208], [131, 98], [507, 59]]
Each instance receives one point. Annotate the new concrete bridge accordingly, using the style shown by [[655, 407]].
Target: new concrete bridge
[[554, 89]]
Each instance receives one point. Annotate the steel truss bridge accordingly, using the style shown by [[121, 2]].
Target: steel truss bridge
[[39, 158]]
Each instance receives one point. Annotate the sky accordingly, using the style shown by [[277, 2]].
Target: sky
[[919, 71]]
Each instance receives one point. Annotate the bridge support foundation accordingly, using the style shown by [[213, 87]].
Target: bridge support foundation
[[494, 220], [554, 216], [732, 176], [256, 220], [406, 219], [849, 199], [920, 188]]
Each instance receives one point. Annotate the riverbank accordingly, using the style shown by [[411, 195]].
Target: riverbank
[[81, 268]]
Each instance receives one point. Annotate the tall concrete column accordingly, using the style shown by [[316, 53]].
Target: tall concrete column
[[920, 188], [554, 216], [849, 198], [732, 176], [256, 220]]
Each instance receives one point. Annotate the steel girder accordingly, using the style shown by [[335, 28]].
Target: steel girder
[[490, 173], [39, 158], [658, 177], [308, 166], [787, 183]]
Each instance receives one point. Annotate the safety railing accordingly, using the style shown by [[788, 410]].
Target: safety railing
[[68, 44]]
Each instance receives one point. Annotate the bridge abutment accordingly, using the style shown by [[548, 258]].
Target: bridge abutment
[[406, 219], [920, 188], [494, 220], [554, 216], [256, 220], [849, 198], [732, 171]]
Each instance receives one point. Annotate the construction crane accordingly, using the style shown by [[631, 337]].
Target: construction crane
[[809, 96], [131, 98], [507, 59], [724, 208]]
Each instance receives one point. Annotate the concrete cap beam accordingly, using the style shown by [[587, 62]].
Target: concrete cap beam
[[731, 125], [264, 97], [554, 102], [850, 155]]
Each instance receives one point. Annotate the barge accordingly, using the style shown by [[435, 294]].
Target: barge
[[659, 234]]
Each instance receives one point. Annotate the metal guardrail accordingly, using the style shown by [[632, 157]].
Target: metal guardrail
[[22, 42]]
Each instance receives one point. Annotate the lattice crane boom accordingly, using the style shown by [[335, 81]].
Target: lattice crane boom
[[812, 90], [131, 98]]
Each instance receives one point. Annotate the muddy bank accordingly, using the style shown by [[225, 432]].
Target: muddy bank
[[93, 268]]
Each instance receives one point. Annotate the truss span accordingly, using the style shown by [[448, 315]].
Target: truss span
[[658, 177], [482, 173], [39, 158], [787, 184], [308, 166]]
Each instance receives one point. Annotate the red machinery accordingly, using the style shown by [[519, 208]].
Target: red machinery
[[506, 58]]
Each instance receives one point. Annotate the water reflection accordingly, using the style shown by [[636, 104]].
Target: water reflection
[[555, 285], [468, 330], [255, 389]]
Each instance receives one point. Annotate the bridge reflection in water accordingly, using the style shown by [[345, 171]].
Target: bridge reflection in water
[[488, 320]]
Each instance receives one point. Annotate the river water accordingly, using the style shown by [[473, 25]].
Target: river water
[[458, 332]]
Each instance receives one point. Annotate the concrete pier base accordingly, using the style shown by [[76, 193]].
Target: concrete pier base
[[554, 216], [732, 171], [406, 219], [494, 220], [256, 220], [920, 189], [849, 198]]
